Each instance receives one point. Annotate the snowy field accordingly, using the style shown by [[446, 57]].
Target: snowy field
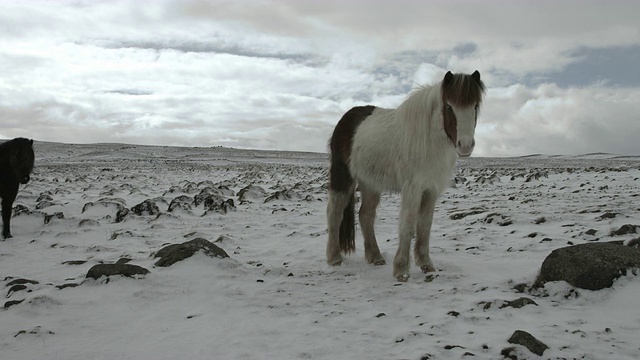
[[275, 297]]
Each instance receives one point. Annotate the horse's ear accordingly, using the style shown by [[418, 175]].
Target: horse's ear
[[447, 78], [476, 76], [31, 142]]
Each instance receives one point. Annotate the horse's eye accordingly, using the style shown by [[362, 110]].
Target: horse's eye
[[448, 107]]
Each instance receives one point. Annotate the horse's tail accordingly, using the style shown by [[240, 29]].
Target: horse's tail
[[348, 227]]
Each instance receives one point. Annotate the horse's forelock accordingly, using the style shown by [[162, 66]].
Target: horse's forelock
[[462, 90]]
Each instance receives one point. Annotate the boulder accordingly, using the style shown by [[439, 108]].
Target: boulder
[[100, 270], [527, 340], [591, 266], [171, 254]]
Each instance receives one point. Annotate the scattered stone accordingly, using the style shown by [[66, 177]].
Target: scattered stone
[[527, 340], [520, 287], [608, 215], [220, 207], [147, 207], [69, 285], [74, 262], [591, 266], [540, 220], [251, 193], [625, 229], [463, 214], [88, 222], [282, 195], [171, 254], [10, 303], [518, 303], [123, 260], [182, 202], [100, 270], [56, 215], [381, 315], [591, 232], [16, 288], [453, 313], [21, 282], [122, 214]]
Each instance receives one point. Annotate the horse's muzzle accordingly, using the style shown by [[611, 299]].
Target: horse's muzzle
[[465, 150]]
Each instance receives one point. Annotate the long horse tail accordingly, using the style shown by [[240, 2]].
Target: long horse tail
[[348, 227]]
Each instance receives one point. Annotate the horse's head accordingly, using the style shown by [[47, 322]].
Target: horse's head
[[22, 158], [461, 100]]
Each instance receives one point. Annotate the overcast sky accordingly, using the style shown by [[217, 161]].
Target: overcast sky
[[563, 77]]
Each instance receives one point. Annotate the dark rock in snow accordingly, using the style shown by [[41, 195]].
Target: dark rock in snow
[[147, 207], [591, 266], [21, 282], [100, 270], [171, 254], [10, 303], [221, 207], [527, 340], [518, 303], [182, 202], [282, 195], [625, 229], [121, 214], [251, 193], [56, 215]]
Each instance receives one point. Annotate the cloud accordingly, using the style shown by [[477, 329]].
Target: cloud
[[280, 74]]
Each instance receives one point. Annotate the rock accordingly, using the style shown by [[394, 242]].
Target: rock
[[88, 222], [518, 303], [171, 254], [10, 303], [625, 229], [251, 193], [221, 207], [21, 282], [208, 196], [527, 340], [182, 202], [282, 195], [100, 270], [56, 215], [146, 207], [591, 266], [121, 214]]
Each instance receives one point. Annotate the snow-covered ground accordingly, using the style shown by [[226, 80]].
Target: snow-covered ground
[[276, 298]]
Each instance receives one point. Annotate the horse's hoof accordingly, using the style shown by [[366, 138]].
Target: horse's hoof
[[337, 262], [403, 278], [427, 268], [379, 262]]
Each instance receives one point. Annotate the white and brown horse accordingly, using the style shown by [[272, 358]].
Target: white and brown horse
[[411, 150]]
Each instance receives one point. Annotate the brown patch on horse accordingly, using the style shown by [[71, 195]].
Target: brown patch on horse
[[450, 123], [340, 145], [461, 90]]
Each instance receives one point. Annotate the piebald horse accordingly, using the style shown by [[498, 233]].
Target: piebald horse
[[411, 150]]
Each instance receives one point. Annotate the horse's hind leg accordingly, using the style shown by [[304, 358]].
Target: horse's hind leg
[[425, 219], [367, 216], [336, 206]]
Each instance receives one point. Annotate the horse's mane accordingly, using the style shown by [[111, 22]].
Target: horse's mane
[[463, 90]]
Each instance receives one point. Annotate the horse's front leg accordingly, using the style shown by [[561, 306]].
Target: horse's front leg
[[7, 204], [425, 219], [406, 230]]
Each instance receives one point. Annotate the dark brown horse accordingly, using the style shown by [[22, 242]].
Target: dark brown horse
[[16, 164]]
